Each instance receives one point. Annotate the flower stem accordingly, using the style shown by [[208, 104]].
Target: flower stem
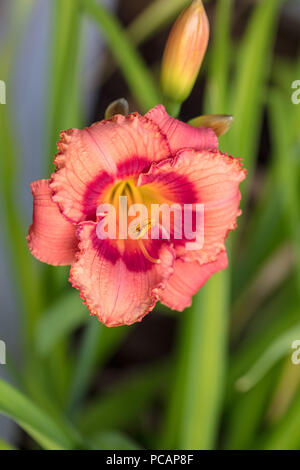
[[172, 107]]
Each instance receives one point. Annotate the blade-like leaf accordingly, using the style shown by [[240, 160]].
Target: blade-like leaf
[[249, 85], [196, 393], [113, 440], [197, 390], [62, 318], [98, 344], [277, 350], [32, 419], [6, 446], [123, 404], [154, 17], [286, 434], [138, 77]]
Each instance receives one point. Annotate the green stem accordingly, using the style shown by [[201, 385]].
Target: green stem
[[172, 107]]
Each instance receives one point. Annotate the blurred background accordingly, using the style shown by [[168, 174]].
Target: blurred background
[[220, 375]]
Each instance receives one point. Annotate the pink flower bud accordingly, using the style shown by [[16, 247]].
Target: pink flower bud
[[184, 52]]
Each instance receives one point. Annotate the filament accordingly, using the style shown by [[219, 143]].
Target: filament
[[141, 231], [146, 254]]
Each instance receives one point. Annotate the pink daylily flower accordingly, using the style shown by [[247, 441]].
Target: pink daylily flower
[[162, 159]]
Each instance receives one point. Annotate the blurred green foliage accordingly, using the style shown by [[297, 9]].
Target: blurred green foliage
[[231, 365]]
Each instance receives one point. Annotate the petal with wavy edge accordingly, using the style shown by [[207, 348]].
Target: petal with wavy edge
[[212, 179], [181, 135], [187, 279], [91, 159], [116, 294]]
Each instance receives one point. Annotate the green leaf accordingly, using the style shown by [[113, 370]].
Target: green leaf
[[266, 232], [265, 329], [197, 389], [5, 446], [27, 275], [98, 344], [124, 403], [286, 434], [61, 319], [64, 72], [250, 82], [40, 426], [113, 440], [287, 170], [216, 97], [198, 385], [246, 414], [154, 17], [276, 351]]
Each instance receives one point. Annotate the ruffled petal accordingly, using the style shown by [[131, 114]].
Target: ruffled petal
[[51, 238], [120, 291], [187, 279], [209, 178], [91, 159], [181, 135]]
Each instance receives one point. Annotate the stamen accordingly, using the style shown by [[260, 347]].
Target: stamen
[[146, 254], [118, 191], [127, 188], [141, 230]]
